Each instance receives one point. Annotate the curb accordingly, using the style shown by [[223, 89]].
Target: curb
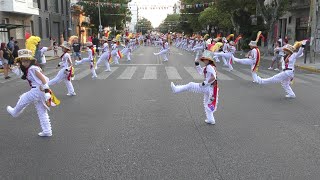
[[306, 68]]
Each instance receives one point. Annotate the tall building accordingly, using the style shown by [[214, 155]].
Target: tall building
[[44, 18]]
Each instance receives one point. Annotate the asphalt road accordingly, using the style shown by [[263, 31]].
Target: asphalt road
[[128, 125]]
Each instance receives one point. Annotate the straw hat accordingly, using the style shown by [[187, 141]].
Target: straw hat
[[66, 45], [88, 44], [289, 48], [104, 38], [24, 54], [253, 44], [206, 56]]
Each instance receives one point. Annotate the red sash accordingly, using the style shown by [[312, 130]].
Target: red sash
[[70, 74], [213, 105], [257, 64]]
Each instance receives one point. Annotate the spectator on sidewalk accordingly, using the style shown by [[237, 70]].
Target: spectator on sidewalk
[[55, 49], [16, 49], [76, 47], [95, 42], [278, 54], [4, 56], [10, 44]]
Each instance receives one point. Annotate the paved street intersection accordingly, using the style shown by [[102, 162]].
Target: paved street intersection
[[127, 124]]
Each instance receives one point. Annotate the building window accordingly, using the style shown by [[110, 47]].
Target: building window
[[47, 28], [290, 19], [40, 27], [62, 7], [46, 5], [57, 6], [39, 4], [32, 27]]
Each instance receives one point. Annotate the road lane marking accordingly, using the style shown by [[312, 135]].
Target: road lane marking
[[105, 74], [172, 73], [150, 73], [128, 73]]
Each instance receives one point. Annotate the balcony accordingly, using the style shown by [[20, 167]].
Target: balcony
[[29, 7]]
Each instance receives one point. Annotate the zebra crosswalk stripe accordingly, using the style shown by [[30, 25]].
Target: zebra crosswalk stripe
[[313, 77], [240, 74], [82, 74], [128, 73], [172, 73], [105, 75], [150, 73], [193, 72]]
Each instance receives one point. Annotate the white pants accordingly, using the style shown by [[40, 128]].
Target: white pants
[[227, 58], [283, 77], [62, 75], [37, 97], [207, 93], [163, 53], [250, 62], [127, 52], [104, 57], [92, 68]]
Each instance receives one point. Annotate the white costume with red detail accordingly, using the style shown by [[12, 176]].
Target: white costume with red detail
[[36, 96], [226, 55], [210, 90], [287, 75], [106, 55], [89, 59], [65, 73], [164, 51]]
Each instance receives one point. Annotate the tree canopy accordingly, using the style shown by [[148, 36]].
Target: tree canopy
[[144, 25]]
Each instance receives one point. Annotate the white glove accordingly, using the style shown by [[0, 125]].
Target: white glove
[[304, 42], [47, 96], [45, 86], [205, 84]]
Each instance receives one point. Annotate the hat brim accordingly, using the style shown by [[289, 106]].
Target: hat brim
[[18, 59], [206, 58], [65, 47], [252, 45]]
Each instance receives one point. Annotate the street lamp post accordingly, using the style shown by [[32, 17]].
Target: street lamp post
[[100, 26]]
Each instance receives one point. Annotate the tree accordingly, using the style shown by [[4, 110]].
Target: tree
[[171, 23], [114, 16], [214, 17], [270, 13], [143, 25]]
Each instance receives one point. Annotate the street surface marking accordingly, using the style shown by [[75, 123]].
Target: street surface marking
[[193, 72], [105, 75], [240, 74], [82, 74], [222, 76], [172, 73], [180, 54], [128, 73], [313, 77], [139, 64], [150, 73]]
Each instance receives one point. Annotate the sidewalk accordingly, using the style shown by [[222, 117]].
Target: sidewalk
[[313, 67]]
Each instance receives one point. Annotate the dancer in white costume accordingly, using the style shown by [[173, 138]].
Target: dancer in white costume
[[89, 59], [164, 50], [253, 59], [287, 75], [66, 72], [105, 56], [114, 53], [231, 49], [39, 94], [209, 87], [126, 51], [198, 48]]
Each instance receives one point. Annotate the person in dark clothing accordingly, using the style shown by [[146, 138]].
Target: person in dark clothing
[[95, 41], [4, 56], [16, 49]]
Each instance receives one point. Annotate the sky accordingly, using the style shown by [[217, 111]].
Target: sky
[[156, 16]]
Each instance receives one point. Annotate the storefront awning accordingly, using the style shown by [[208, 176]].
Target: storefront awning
[[8, 27]]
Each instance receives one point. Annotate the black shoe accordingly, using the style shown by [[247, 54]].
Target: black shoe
[[8, 77]]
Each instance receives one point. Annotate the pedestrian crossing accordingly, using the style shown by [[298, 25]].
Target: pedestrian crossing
[[154, 72]]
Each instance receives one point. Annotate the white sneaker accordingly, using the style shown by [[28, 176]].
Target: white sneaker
[[71, 94], [210, 122], [173, 87], [42, 134], [94, 77], [290, 96], [76, 62], [270, 68], [155, 54], [107, 70], [276, 69], [10, 111], [96, 67]]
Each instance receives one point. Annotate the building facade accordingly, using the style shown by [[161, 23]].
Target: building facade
[[44, 18]]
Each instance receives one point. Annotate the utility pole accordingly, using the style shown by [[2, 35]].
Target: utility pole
[[100, 26], [313, 25]]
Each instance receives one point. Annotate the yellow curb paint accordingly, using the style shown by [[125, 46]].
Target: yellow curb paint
[[311, 69]]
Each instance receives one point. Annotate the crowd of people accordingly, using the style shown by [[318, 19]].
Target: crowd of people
[[30, 63]]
